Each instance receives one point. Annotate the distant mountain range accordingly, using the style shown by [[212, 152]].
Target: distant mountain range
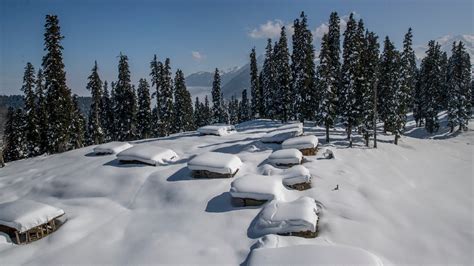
[[233, 81]]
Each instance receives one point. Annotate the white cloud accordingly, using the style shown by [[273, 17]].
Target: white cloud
[[197, 56], [322, 29], [271, 29]]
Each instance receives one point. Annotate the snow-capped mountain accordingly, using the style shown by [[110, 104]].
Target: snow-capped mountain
[[205, 78], [446, 43]]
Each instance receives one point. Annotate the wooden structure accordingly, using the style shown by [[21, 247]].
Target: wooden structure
[[305, 234], [209, 174], [309, 151], [244, 202], [26, 221], [300, 186]]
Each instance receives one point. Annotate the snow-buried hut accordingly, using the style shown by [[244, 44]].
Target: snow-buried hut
[[255, 190], [113, 147], [295, 218], [308, 145], [283, 133], [297, 177], [147, 154], [286, 157], [216, 129], [26, 220], [214, 165]]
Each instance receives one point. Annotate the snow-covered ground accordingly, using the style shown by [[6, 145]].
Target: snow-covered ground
[[405, 204]]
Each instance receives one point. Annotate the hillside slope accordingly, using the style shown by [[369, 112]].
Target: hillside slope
[[406, 204]]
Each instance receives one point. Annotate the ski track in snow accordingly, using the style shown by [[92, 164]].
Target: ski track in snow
[[407, 204]]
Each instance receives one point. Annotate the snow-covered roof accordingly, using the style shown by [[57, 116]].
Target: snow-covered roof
[[257, 187], [296, 175], [216, 162], [217, 129], [286, 156], [279, 217], [313, 255], [148, 154], [279, 136], [302, 142], [113, 147], [23, 215]]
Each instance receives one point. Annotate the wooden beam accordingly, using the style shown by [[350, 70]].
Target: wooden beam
[[17, 238]]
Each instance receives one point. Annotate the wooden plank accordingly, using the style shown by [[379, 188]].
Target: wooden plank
[[17, 238]]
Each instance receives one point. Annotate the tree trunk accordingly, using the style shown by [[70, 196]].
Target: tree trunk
[[366, 136], [396, 138], [452, 129], [327, 132], [349, 136]]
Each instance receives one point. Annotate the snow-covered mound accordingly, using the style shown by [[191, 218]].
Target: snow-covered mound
[[216, 162], [257, 187], [407, 204], [218, 130], [313, 255], [298, 126], [279, 217], [281, 135], [295, 175], [113, 147], [148, 154], [23, 215], [286, 157], [303, 142]]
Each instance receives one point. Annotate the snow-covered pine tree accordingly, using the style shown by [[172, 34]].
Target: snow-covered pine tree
[[268, 82], [58, 95], [216, 98], [370, 62], [198, 113], [244, 108], [388, 81], [303, 71], [256, 100], [166, 99], [233, 110], [408, 72], [155, 74], [14, 144], [95, 132], [285, 97], [350, 77], [183, 106], [107, 115], [443, 90], [431, 83], [459, 87], [144, 119], [206, 112], [334, 55], [41, 113], [31, 119], [125, 100], [78, 126]]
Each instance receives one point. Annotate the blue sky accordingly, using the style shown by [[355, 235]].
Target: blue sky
[[196, 35]]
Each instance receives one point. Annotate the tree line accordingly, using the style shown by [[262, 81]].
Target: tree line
[[358, 86]]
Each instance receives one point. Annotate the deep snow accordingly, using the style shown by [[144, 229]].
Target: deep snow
[[405, 204]]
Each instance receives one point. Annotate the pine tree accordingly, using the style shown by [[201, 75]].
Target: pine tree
[[107, 115], [78, 125], [459, 88], [370, 63], [207, 112], [285, 97], [166, 99], [125, 103], [58, 95], [388, 82], [350, 77], [41, 113], [269, 82], [183, 108], [15, 143], [155, 74], [144, 118], [31, 119], [217, 112], [95, 131], [303, 71], [431, 84], [408, 72], [198, 112], [234, 110], [255, 86], [244, 108]]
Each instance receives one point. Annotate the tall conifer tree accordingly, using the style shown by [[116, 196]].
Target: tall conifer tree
[[285, 97], [31, 118], [144, 119], [166, 99], [95, 131], [256, 100]]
